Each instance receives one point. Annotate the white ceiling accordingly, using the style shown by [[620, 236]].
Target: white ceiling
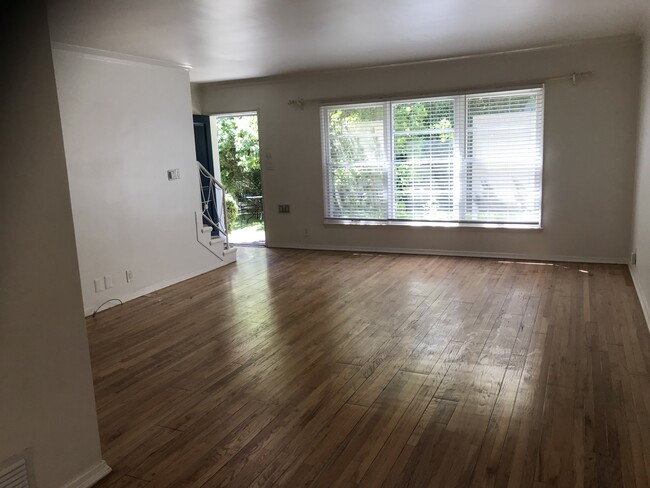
[[235, 39]]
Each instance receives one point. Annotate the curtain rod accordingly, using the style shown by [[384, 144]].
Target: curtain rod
[[573, 77]]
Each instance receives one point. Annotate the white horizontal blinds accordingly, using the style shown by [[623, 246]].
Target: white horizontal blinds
[[356, 161], [503, 157], [424, 160], [466, 158]]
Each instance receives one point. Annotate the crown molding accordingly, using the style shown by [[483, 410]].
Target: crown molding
[[115, 57]]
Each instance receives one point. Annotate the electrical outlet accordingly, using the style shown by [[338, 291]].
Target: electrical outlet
[[108, 281], [99, 285], [633, 257], [284, 208], [306, 232], [173, 174], [129, 276]]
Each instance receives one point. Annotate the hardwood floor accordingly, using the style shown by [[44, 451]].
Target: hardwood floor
[[299, 368]]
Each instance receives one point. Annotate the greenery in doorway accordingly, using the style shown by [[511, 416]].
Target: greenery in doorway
[[243, 221], [247, 230], [239, 155], [231, 210]]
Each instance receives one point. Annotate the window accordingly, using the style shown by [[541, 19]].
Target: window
[[463, 159]]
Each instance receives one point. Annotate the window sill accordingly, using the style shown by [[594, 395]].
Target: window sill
[[437, 225]]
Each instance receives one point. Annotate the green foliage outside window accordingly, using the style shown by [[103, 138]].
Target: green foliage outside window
[[356, 136], [423, 145]]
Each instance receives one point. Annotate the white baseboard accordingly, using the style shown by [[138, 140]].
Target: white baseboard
[[90, 477], [446, 252], [645, 306], [88, 311]]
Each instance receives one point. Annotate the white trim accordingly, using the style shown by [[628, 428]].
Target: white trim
[[245, 113], [643, 300], [88, 311], [90, 477], [432, 224], [115, 57], [446, 252]]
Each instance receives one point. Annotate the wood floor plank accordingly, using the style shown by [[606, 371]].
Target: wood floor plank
[[333, 369], [370, 434]]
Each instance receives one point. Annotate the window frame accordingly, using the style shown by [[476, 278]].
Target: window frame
[[461, 99]]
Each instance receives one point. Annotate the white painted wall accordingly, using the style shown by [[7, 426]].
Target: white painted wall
[[589, 164], [47, 405], [641, 240], [125, 124], [196, 99]]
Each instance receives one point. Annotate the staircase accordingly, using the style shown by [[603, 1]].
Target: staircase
[[216, 245], [212, 222]]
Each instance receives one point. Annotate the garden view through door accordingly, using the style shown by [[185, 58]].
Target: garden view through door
[[239, 166]]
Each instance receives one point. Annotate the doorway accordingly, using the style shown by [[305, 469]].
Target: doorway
[[238, 165], [227, 145]]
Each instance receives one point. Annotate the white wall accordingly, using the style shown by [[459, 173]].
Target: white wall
[[589, 150], [196, 99], [641, 240], [47, 406], [125, 124]]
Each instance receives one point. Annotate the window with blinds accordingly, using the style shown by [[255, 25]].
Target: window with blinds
[[473, 159]]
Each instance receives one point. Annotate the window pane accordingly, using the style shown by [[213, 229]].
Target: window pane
[[465, 158], [356, 162], [424, 171], [504, 157]]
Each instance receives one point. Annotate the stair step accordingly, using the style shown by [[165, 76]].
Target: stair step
[[206, 228], [216, 241], [232, 250]]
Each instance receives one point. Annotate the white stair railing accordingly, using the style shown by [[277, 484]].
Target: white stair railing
[[214, 193]]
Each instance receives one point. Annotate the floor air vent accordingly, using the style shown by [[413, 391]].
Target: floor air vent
[[14, 475]]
